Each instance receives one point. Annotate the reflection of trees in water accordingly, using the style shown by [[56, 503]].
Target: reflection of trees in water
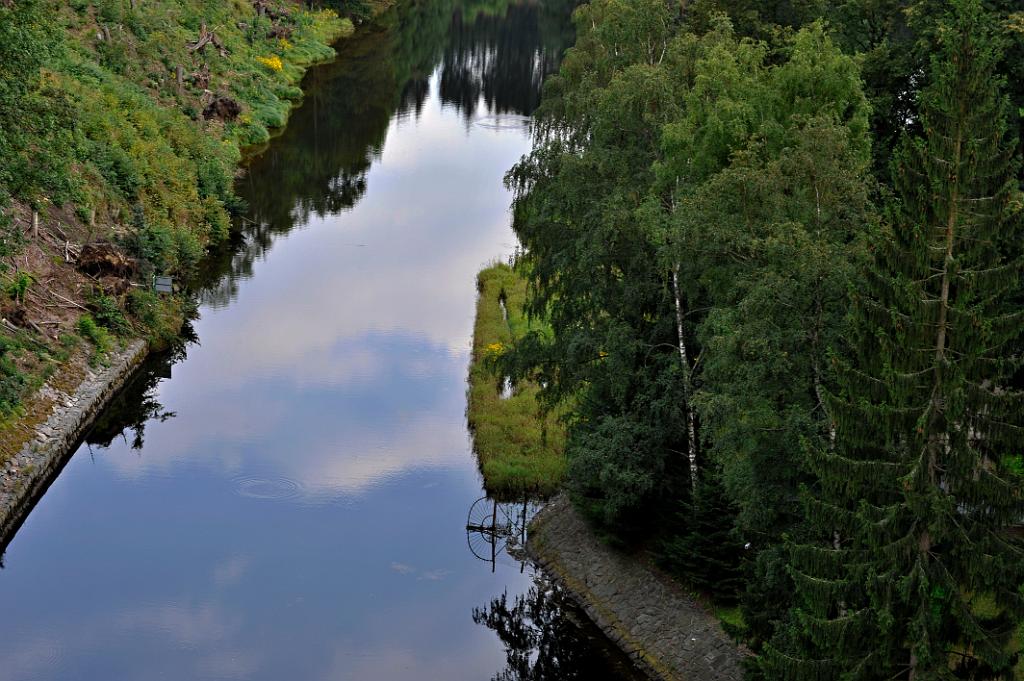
[[495, 49], [500, 57], [319, 164], [498, 49], [547, 639], [137, 404]]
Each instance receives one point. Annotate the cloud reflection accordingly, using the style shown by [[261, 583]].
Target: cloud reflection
[[339, 367]]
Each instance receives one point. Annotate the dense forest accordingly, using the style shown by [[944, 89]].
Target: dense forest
[[779, 248]]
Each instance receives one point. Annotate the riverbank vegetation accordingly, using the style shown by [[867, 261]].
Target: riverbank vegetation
[[519, 447], [778, 248], [124, 121]]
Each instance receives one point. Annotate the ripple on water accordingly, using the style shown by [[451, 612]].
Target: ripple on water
[[274, 489], [504, 122]]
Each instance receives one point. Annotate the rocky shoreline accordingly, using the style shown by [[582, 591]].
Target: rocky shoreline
[[665, 631], [25, 476]]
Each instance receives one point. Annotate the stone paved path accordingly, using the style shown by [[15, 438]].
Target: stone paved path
[[27, 474], [668, 634]]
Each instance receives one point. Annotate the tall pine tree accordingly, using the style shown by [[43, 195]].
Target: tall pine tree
[[915, 575]]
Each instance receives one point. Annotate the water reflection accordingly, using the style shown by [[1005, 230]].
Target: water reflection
[[138, 402], [291, 504], [498, 57], [491, 57], [495, 529], [546, 638]]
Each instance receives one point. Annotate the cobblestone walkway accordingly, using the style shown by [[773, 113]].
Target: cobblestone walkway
[[668, 634], [27, 474]]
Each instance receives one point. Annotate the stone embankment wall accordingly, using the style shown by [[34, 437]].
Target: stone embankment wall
[[666, 632], [26, 475]]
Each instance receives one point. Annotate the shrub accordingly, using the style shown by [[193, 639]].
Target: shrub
[[107, 313], [16, 289], [12, 387], [94, 333], [162, 317]]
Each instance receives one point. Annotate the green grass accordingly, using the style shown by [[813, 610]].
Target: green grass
[[101, 125], [519, 448], [731, 618], [99, 336], [97, 125]]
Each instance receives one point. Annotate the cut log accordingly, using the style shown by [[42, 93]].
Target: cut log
[[201, 77]]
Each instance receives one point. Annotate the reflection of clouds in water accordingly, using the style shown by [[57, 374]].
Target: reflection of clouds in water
[[270, 489], [188, 626], [203, 628], [423, 444], [401, 664], [429, 224], [398, 411], [30, 655], [230, 571], [229, 664], [329, 470], [435, 575]]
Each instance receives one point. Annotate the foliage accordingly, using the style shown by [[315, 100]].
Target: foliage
[[589, 260], [129, 147], [106, 312], [96, 123], [17, 287], [94, 333], [912, 503], [708, 196], [683, 198], [705, 552], [34, 151], [12, 380], [161, 317]]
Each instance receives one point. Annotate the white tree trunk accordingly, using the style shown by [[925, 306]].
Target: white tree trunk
[[691, 417]]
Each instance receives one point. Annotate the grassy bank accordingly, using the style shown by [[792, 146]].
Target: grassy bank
[[124, 122], [519, 449]]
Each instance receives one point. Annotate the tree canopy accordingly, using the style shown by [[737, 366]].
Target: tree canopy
[[779, 248]]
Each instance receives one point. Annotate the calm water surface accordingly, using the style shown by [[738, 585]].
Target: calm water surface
[[286, 496]]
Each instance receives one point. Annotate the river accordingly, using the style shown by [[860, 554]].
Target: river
[[286, 495]]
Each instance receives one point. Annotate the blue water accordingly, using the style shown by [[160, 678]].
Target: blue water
[[291, 503]]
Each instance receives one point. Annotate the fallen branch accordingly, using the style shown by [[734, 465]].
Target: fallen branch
[[66, 300], [207, 37], [60, 231]]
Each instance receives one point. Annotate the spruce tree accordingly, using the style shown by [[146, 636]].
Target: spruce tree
[[915, 575], [706, 551]]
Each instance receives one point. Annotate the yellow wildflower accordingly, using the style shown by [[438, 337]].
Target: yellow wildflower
[[285, 45], [273, 62]]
